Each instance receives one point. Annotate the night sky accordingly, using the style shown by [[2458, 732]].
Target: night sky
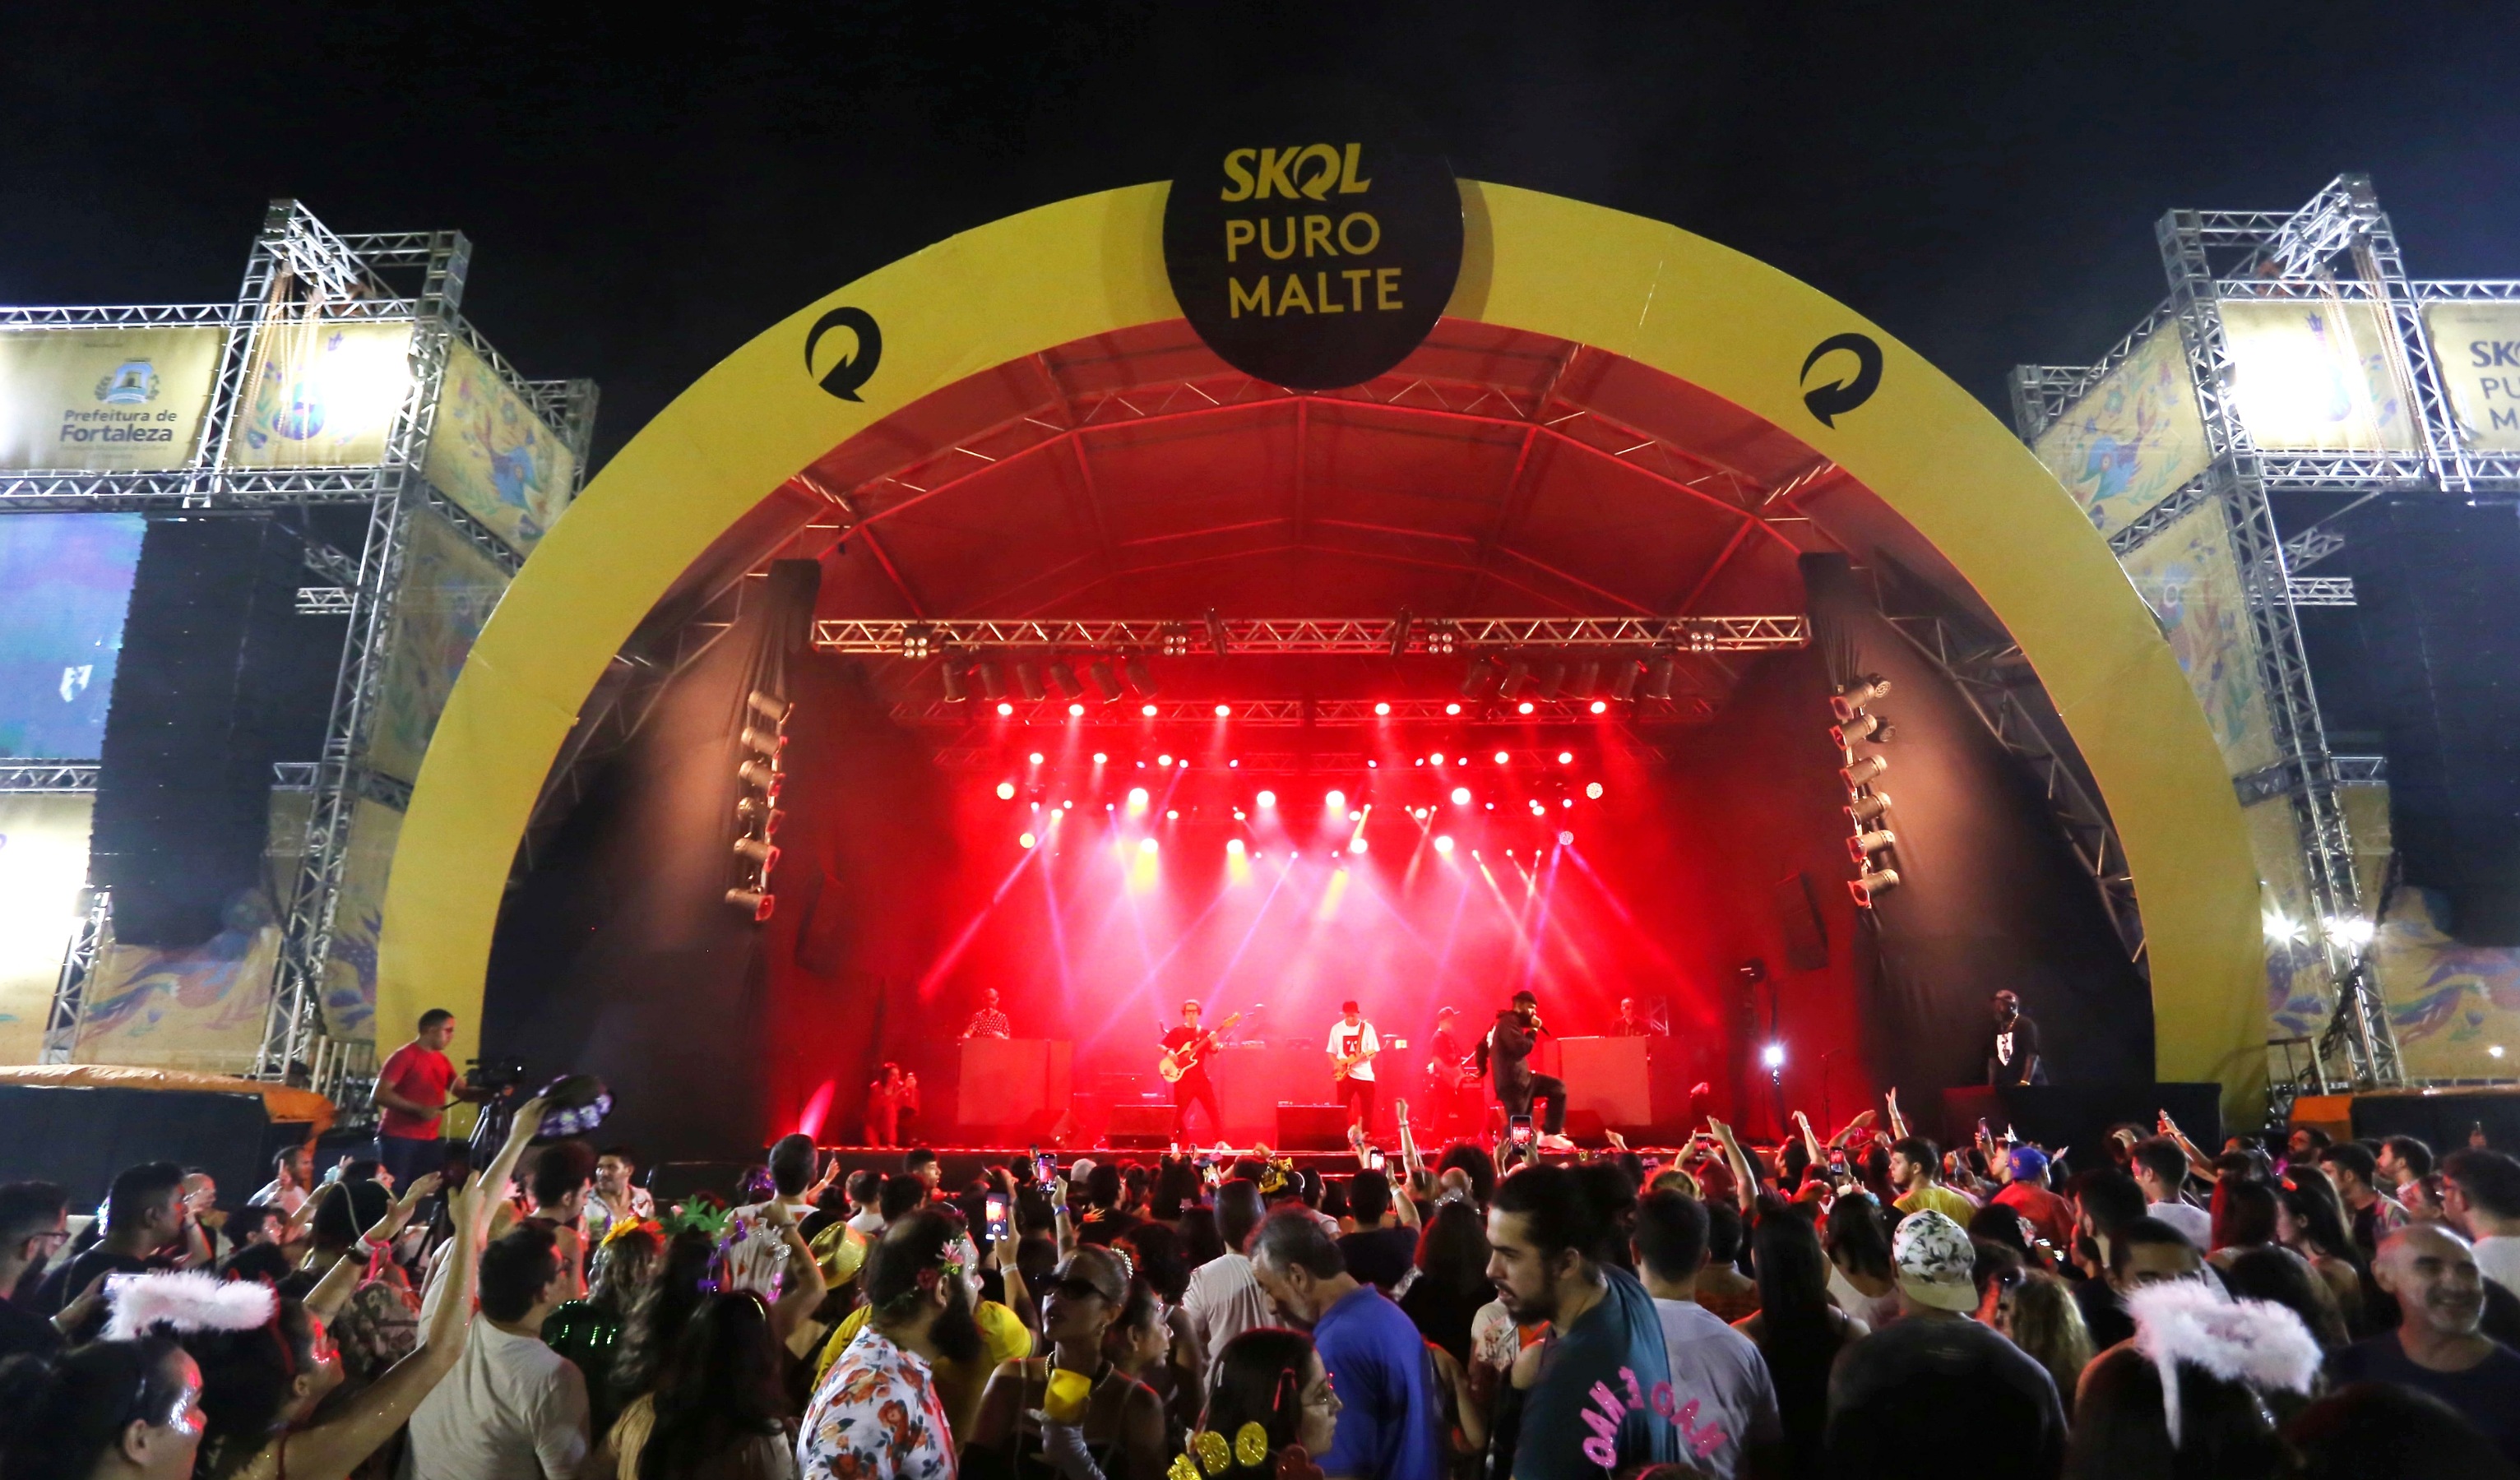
[[1979, 179]]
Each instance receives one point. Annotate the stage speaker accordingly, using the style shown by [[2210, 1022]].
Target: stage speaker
[[1139, 1127], [2434, 595], [1312, 1127], [1799, 920], [210, 688]]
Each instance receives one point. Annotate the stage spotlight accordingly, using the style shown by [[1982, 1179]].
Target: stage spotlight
[[1480, 674], [765, 855], [1215, 632], [1233, 845], [1336, 801], [1382, 708], [1593, 790], [1862, 727], [1502, 757], [1442, 843], [1850, 701], [993, 684], [1063, 678], [1005, 708], [1623, 686], [1149, 710], [1224, 710], [1267, 799], [952, 673], [1566, 801], [1356, 845], [1461, 796], [1863, 845], [1451, 708], [1140, 678], [1354, 817], [1006, 791], [1172, 815], [768, 706], [1862, 773], [1601, 706], [1107, 685], [1035, 757], [1233, 765], [762, 775], [1773, 1056], [1077, 711], [1516, 674], [754, 809], [762, 742], [1146, 845], [1163, 760], [1565, 757], [1435, 759], [1183, 763], [1661, 676], [1100, 757], [2348, 931], [1525, 707], [1871, 883], [1028, 683], [1025, 840], [760, 905], [1400, 632], [1865, 809], [1565, 838], [1136, 798]]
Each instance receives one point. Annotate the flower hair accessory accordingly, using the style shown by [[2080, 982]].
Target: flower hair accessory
[[190, 1300], [630, 1226], [1273, 1176]]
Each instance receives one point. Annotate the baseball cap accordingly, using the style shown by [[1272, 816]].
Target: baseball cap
[[1934, 1259], [2029, 1163]]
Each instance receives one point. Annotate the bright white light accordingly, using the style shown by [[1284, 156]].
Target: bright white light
[[2348, 931], [1224, 710], [1239, 816], [1233, 845], [1565, 757], [1100, 757], [1005, 708], [1356, 845], [2280, 931], [1233, 765], [1036, 806], [1773, 1056], [1436, 759], [1601, 706], [1145, 845], [1451, 708], [1565, 839], [1006, 791], [1035, 757], [1593, 790], [1565, 801], [1382, 708], [1172, 815], [1419, 813], [1267, 799], [1076, 711], [1183, 763], [1502, 757], [1026, 839], [1373, 765], [1461, 796], [1525, 707], [1136, 798], [1336, 801], [2493, 1049], [1149, 710], [1444, 843], [1164, 760], [1537, 810], [1355, 817]]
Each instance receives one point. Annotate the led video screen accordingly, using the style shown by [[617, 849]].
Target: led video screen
[[64, 587]]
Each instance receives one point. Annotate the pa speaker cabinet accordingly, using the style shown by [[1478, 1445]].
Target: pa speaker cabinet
[[1139, 1127], [1312, 1127]]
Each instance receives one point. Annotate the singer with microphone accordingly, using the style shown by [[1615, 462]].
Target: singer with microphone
[[1507, 1050]]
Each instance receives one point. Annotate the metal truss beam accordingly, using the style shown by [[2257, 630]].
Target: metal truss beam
[[1353, 637], [1294, 712], [114, 316], [95, 928], [181, 489], [40, 778]]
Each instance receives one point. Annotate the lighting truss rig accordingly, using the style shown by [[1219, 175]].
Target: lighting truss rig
[[1386, 637], [1284, 713]]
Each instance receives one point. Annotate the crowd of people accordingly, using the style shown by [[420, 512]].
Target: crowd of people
[[1861, 1305]]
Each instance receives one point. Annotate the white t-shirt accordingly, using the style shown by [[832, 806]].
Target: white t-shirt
[[1225, 1301], [513, 1408], [2193, 1223], [1346, 1041], [1721, 1393], [2497, 1257]]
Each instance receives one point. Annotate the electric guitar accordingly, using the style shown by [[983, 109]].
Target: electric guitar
[[1179, 1062], [1348, 1061]]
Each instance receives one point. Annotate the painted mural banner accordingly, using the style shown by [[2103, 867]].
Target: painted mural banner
[[495, 456], [2134, 439], [2321, 375], [105, 400], [321, 393], [350, 994], [2476, 347], [2187, 574], [196, 1008], [449, 590]]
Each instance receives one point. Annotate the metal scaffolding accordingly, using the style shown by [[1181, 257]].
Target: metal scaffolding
[[302, 272], [1363, 636]]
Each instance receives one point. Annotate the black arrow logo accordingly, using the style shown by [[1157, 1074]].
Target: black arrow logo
[[1837, 398], [844, 379]]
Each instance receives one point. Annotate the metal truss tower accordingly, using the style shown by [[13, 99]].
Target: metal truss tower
[[2338, 249]]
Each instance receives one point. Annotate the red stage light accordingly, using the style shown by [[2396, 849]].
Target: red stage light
[[1564, 839], [1382, 708], [1149, 710], [1436, 759], [1172, 815], [1005, 708], [1100, 757], [1146, 845], [1026, 839], [1593, 790], [1461, 796], [1233, 765], [1565, 757], [1268, 798], [1444, 843], [1373, 765], [1601, 706], [1163, 760], [1006, 791], [1233, 845], [1336, 801], [1137, 796], [1355, 817], [1076, 711], [1356, 845], [1036, 757], [1451, 708], [1525, 707], [1502, 757], [1223, 710]]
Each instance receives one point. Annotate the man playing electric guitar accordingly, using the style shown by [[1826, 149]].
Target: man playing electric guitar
[[1352, 1048], [1185, 1063]]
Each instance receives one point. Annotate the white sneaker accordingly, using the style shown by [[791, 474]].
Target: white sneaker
[[1556, 1143]]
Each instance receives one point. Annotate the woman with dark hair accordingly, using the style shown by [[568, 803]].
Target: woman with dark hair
[[2311, 1222], [1476, 1167], [2244, 1217], [1860, 1277], [2283, 1278], [653, 1332], [1202, 1238], [1269, 1398], [106, 1410], [588, 1330], [1796, 1329], [1141, 1345], [717, 1417], [1452, 1280], [1173, 1349]]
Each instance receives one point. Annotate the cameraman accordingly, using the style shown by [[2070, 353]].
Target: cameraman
[[414, 1089]]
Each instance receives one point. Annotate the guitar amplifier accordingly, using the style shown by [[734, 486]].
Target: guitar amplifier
[[1139, 1127], [1312, 1127]]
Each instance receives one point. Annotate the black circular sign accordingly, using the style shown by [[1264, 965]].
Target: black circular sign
[[1315, 242]]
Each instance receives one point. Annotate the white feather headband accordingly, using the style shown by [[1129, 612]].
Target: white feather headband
[[2255, 1342], [188, 1300]]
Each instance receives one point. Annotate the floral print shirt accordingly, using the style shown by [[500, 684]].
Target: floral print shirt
[[875, 1415]]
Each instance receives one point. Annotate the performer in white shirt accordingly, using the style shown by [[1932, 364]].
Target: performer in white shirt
[[1352, 1046]]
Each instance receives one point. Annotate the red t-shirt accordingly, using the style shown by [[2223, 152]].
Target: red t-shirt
[[418, 1074]]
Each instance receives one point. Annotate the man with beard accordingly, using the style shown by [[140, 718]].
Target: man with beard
[[877, 1410], [1507, 1053], [1391, 1423], [2437, 1348], [1596, 1393]]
